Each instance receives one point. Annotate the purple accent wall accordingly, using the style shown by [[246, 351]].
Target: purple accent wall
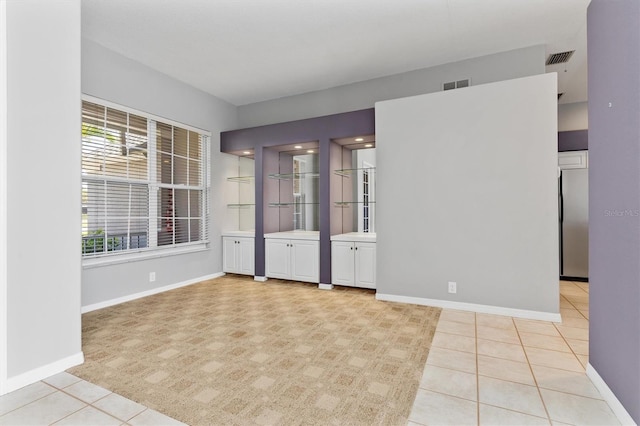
[[321, 129], [574, 140], [613, 29]]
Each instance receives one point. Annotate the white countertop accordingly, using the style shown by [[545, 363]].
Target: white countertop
[[251, 234], [366, 237], [295, 235]]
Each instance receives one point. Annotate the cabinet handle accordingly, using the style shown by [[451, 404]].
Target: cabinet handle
[[351, 248]]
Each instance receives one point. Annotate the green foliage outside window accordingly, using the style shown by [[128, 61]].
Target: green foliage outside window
[[95, 243]]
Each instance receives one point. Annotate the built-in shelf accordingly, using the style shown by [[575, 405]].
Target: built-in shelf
[[289, 176], [240, 206], [350, 172], [241, 179]]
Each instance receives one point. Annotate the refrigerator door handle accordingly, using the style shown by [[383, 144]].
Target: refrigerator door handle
[[560, 198]]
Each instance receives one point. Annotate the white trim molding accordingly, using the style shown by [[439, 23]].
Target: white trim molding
[[32, 376], [610, 398], [472, 307], [325, 286], [128, 298], [3, 199], [260, 279]]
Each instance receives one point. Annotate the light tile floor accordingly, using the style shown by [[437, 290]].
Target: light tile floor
[[482, 369], [65, 399], [495, 370]]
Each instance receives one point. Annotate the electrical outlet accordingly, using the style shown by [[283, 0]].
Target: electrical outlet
[[452, 287], [152, 277]]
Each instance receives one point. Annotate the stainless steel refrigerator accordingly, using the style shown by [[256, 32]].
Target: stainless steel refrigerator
[[574, 223]]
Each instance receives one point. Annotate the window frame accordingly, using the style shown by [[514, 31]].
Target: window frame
[[133, 255]]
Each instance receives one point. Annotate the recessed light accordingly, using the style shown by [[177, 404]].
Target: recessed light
[[247, 152], [368, 145], [359, 139], [298, 147], [310, 151]]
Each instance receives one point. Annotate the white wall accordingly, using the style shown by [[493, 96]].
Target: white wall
[[43, 181], [110, 76], [467, 192], [573, 116], [501, 66], [3, 196]]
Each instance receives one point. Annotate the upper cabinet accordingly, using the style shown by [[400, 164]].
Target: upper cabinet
[[573, 160]]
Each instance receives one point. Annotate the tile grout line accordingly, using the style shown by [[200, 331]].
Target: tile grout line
[[570, 348], [574, 306], [575, 283], [535, 380], [475, 328], [114, 416], [70, 414], [90, 404], [31, 402], [513, 411]]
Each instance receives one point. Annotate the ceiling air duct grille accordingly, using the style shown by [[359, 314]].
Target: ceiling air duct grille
[[456, 84], [559, 58]]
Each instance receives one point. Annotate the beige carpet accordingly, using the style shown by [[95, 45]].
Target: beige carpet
[[232, 351]]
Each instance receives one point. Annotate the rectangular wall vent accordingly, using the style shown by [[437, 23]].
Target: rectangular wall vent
[[456, 84], [559, 58]]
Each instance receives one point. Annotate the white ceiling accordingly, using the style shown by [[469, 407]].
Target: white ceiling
[[246, 51]]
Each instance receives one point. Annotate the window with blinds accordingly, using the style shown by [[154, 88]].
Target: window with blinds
[[143, 183]]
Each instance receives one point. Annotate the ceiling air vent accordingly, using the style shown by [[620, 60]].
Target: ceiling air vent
[[456, 84], [559, 58]]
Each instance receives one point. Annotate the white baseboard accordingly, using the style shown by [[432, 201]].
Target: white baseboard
[[37, 374], [472, 307], [616, 406], [260, 279], [117, 301], [325, 286]]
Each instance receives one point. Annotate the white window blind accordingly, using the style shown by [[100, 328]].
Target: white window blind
[[143, 183]]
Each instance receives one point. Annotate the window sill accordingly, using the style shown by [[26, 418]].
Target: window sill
[[115, 259]]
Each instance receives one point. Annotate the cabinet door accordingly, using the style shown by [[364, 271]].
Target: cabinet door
[[365, 265], [246, 263], [305, 258], [277, 259], [342, 263], [229, 255]]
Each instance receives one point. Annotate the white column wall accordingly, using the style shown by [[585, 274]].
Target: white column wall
[[467, 192], [43, 332]]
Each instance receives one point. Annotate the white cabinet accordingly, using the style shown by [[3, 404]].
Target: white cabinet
[[365, 265], [292, 259], [238, 255], [573, 160], [353, 263], [277, 258]]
